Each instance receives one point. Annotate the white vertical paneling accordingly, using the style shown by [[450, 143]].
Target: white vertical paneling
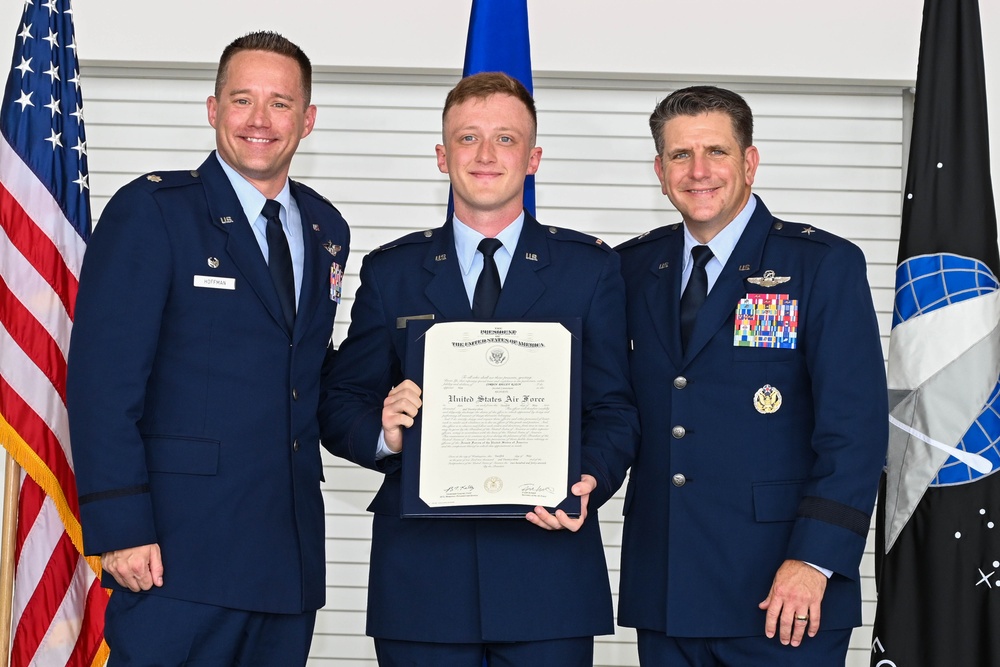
[[830, 156]]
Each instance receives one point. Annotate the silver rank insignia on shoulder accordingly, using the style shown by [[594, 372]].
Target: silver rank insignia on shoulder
[[769, 279], [808, 230], [331, 248], [154, 178], [213, 262], [226, 219], [767, 400], [530, 256], [440, 258]]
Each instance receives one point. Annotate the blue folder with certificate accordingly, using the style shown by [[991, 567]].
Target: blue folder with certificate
[[499, 430]]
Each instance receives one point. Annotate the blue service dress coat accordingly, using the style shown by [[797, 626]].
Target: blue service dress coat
[[482, 580], [192, 407], [723, 492]]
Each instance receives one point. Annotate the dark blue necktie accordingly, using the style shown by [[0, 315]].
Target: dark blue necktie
[[695, 292], [279, 261], [484, 299]]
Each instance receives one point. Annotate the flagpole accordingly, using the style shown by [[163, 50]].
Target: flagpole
[[12, 484]]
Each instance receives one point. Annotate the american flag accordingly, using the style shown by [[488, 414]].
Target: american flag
[[58, 606]]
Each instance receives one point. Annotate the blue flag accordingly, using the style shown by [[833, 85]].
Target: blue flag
[[498, 42]]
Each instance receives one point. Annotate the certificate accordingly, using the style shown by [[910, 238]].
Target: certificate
[[499, 414]]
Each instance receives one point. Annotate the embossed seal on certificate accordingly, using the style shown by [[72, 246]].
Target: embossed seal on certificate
[[493, 484], [769, 279], [497, 355], [767, 400]]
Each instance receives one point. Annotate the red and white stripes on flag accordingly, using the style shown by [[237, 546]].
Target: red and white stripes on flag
[[58, 607]]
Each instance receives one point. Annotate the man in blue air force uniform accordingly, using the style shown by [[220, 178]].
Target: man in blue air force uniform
[[205, 311], [447, 591], [758, 372]]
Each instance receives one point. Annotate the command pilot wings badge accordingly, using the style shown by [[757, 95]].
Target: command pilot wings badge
[[769, 279]]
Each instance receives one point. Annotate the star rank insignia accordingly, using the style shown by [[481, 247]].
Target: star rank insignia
[[769, 279], [808, 230]]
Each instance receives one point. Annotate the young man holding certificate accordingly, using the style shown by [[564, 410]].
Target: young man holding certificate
[[453, 591]]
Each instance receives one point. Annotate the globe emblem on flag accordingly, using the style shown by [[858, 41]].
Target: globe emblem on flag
[[927, 283]]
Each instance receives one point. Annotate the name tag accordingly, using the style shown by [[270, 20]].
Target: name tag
[[215, 282]]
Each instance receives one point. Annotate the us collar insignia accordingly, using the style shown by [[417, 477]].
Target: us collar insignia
[[769, 279]]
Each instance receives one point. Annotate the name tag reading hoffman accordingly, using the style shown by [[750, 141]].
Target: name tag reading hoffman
[[496, 414]]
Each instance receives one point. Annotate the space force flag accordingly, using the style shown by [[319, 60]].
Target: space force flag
[[938, 533]]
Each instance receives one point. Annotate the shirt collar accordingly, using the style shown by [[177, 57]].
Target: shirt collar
[[725, 241], [467, 240], [250, 197]]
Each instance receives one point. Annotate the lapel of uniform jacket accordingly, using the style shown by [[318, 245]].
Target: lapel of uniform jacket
[[663, 291], [315, 268], [720, 306], [227, 214], [522, 287], [445, 288]]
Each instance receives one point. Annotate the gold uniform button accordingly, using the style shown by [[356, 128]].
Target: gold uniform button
[[678, 432]]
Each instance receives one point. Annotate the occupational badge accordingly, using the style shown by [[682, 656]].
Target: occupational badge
[[767, 400], [769, 279], [331, 248]]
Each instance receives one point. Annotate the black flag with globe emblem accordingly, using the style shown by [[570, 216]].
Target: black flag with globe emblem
[[938, 526]]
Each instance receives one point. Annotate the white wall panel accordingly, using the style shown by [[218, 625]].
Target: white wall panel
[[831, 156]]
